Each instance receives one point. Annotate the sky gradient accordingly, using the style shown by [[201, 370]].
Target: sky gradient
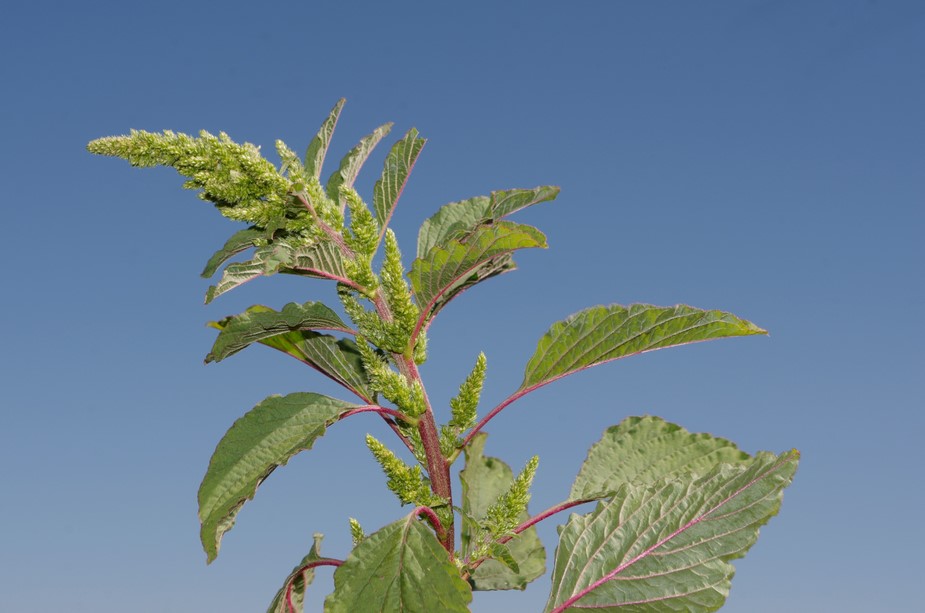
[[764, 158]]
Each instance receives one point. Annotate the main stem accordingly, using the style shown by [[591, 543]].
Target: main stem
[[438, 469]]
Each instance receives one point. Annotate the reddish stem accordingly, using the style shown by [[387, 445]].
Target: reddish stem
[[432, 518], [322, 562]]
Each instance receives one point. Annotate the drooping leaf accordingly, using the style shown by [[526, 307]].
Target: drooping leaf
[[667, 546], [353, 161], [338, 359], [483, 480], [321, 260], [604, 333], [267, 436], [259, 322], [398, 165], [402, 568], [239, 241], [457, 219], [318, 147], [296, 583], [646, 449], [440, 275]]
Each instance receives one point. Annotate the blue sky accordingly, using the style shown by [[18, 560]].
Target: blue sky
[[765, 158]]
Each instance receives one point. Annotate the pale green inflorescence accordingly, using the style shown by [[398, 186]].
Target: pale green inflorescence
[[407, 482], [356, 532], [506, 513], [463, 406]]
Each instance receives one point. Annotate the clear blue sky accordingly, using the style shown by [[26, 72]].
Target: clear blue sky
[[762, 157]]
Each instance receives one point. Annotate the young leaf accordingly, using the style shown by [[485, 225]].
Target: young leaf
[[353, 161], [318, 148], [239, 241], [457, 219], [398, 165], [604, 333], [266, 437], [259, 322], [484, 480], [446, 269], [645, 449], [299, 579], [402, 568], [667, 546]]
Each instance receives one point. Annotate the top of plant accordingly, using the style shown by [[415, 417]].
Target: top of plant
[[674, 508]]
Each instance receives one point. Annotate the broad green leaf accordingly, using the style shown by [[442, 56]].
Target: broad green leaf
[[402, 568], [667, 546], [239, 241], [321, 260], [646, 449], [483, 480], [338, 359], [440, 275], [457, 219], [353, 161], [260, 322], [398, 165], [299, 579], [266, 437], [604, 333], [318, 148]]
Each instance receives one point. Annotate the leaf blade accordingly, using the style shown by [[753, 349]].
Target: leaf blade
[[238, 242], [398, 165], [446, 269], [259, 322], [318, 147], [266, 437], [667, 546], [605, 333], [402, 568], [646, 449], [351, 163]]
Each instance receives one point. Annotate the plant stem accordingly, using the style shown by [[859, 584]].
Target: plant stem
[[438, 469]]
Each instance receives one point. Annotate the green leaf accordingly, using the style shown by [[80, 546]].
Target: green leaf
[[667, 546], [300, 578], [604, 333], [483, 480], [353, 161], [338, 359], [321, 260], [260, 322], [453, 219], [239, 241], [457, 219], [398, 165], [448, 269], [266, 437], [318, 148], [646, 449], [402, 568]]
